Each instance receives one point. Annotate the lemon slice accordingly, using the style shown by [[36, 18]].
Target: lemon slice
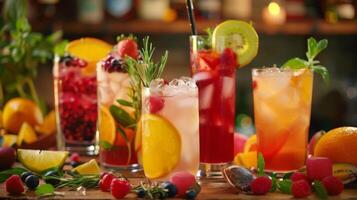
[[89, 168], [161, 146], [26, 134], [106, 126], [8, 140], [89, 49], [238, 35], [41, 160]]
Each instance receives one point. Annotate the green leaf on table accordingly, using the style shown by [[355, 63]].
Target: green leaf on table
[[124, 102], [321, 70], [274, 184], [287, 175], [320, 190], [121, 116], [285, 186], [261, 164], [44, 189], [13, 171], [295, 63], [105, 145]]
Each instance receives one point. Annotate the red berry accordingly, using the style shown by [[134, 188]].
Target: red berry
[[119, 188], [105, 182], [254, 84], [183, 180], [300, 189], [75, 157], [128, 47], [261, 185], [13, 185], [296, 176], [156, 103], [333, 185]]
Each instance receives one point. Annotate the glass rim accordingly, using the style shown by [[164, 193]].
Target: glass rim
[[257, 71]]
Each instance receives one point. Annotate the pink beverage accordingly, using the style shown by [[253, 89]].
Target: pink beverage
[[76, 105], [215, 74]]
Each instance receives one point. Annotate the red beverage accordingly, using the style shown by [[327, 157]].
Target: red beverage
[[215, 76]]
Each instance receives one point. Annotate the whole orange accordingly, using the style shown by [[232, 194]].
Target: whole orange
[[19, 110], [340, 145]]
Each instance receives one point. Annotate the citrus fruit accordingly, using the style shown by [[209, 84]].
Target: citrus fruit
[[138, 142], [90, 167], [106, 126], [246, 159], [41, 160], [89, 49], [238, 35], [8, 140], [48, 126], [18, 111], [251, 144], [0, 118], [26, 134], [161, 146], [340, 145]]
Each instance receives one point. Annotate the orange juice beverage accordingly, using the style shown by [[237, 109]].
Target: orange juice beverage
[[282, 107], [170, 128]]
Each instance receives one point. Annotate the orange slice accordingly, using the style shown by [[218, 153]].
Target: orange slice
[[26, 134], [248, 159], [251, 144], [161, 146], [106, 126], [89, 49], [8, 140], [48, 126]]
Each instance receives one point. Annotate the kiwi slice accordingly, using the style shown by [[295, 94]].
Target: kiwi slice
[[238, 35]]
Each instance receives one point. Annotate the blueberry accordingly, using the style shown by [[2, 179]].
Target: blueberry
[[74, 163], [32, 181], [191, 194], [24, 175], [51, 177], [171, 188], [141, 193]]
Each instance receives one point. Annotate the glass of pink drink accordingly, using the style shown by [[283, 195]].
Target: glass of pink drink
[[214, 71]]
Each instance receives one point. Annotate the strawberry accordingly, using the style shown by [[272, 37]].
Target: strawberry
[[105, 182], [127, 47], [119, 188], [13, 185]]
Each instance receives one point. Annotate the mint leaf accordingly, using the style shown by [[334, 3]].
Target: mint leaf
[[311, 48], [295, 63], [285, 186], [105, 145], [320, 190], [321, 45], [60, 48], [261, 164], [287, 175], [121, 116], [124, 102], [274, 185], [13, 171], [44, 189], [322, 71]]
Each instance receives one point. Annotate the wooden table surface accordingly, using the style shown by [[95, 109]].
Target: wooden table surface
[[210, 190]]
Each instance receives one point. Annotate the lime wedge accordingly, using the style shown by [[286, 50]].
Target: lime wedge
[[40, 160], [88, 168], [238, 35]]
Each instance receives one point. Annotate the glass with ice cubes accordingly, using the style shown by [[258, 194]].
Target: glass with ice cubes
[[170, 128]]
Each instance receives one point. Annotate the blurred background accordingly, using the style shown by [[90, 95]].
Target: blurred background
[[283, 27]]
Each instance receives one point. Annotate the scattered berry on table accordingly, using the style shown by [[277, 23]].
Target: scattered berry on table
[[75, 157], [74, 163], [261, 185], [333, 185], [105, 181], [24, 175], [317, 168], [190, 194], [170, 187], [14, 186], [296, 176], [140, 193], [119, 188], [300, 189], [183, 180], [32, 181]]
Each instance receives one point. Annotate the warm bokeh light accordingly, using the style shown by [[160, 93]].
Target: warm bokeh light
[[274, 8]]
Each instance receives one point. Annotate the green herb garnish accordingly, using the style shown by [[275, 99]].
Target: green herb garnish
[[313, 49], [261, 164], [320, 190], [13, 171], [44, 189], [285, 186]]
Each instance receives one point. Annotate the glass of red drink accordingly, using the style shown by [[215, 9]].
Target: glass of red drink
[[215, 73], [76, 105]]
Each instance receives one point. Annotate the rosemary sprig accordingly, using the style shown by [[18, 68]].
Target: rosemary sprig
[[153, 191]]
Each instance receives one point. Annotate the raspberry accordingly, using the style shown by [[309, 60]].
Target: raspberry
[[156, 103], [75, 157], [119, 188], [183, 180], [301, 189], [333, 185], [105, 182], [13, 185], [296, 176], [261, 185]]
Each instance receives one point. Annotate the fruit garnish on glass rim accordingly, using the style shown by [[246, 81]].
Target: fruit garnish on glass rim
[[313, 49]]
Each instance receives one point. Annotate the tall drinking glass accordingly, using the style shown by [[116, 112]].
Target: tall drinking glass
[[282, 107], [170, 130], [76, 105], [214, 71]]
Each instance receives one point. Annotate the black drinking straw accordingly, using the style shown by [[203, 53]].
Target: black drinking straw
[[191, 16]]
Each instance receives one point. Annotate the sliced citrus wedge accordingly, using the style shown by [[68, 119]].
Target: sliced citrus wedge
[[26, 134], [238, 35], [48, 126], [88, 168], [161, 146], [89, 49], [248, 159], [41, 160], [8, 140], [106, 126], [251, 144]]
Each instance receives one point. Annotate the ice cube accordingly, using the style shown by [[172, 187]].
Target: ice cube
[[203, 78], [157, 83], [228, 87], [206, 96]]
